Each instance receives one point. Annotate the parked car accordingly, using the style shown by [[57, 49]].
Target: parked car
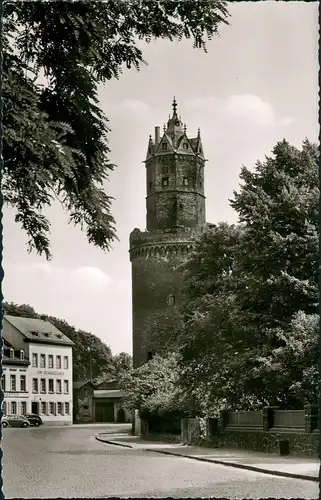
[[15, 421], [34, 419]]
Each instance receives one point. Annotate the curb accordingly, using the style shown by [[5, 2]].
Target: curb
[[238, 466], [115, 443], [219, 462]]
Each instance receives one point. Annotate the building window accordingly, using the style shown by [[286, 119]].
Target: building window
[[67, 409], [86, 392], [34, 385], [12, 383], [51, 408], [165, 182], [59, 408], [23, 407], [42, 361], [58, 386], [3, 382], [66, 363], [185, 181], [50, 361], [150, 185], [164, 145], [185, 145], [149, 150], [171, 300], [43, 385], [13, 408], [58, 362], [43, 408], [35, 360], [66, 386], [23, 383], [164, 170], [4, 408], [181, 206], [201, 184], [11, 353], [50, 385], [22, 354]]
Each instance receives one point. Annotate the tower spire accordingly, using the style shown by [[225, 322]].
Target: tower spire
[[174, 106]]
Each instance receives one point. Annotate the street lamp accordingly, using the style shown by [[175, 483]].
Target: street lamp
[[90, 364]]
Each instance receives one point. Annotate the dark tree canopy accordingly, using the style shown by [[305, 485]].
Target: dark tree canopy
[[55, 144]]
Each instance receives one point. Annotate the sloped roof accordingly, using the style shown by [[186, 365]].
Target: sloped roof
[[80, 383], [28, 325], [6, 360]]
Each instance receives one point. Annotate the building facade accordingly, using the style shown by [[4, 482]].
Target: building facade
[[83, 395], [14, 380], [108, 404], [49, 372], [175, 218]]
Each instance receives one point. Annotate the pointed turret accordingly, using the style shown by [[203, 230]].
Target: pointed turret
[[174, 125]]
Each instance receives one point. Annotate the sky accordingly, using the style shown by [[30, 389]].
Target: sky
[[257, 84]]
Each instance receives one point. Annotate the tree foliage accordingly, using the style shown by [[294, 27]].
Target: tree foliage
[[152, 388], [101, 355], [55, 144], [251, 297]]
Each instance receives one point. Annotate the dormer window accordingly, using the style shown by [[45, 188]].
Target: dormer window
[[185, 181], [164, 145], [185, 145], [22, 354], [165, 182], [171, 300], [48, 335], [35, 333], [59, 335], [11, 353]]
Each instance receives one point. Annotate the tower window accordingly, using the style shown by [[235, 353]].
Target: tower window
[[185, 145], [150, 184], [165, 181], [164, 145], [171, 300], [185, 181], [164, 170], [149, 150]]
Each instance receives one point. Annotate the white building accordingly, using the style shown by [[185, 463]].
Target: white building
[[14, 380], [49, 374]]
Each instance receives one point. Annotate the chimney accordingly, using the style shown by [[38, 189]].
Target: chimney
[[157, 136]]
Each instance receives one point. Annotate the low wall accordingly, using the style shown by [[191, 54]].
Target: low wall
[[258, 431]]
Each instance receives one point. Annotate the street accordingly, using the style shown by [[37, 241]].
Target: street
[[69, 462]]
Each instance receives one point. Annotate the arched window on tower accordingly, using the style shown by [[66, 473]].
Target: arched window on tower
[[171, 300]]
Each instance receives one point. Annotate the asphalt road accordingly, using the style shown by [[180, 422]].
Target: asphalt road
[[51, 462]]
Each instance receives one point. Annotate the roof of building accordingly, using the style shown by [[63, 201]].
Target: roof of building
[[6, 360], [80, 383], [38, 330], [108, 394]]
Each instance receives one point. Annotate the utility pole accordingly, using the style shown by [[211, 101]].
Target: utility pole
[[90, 365]]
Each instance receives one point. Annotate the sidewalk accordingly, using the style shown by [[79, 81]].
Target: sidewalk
[[268, 463]]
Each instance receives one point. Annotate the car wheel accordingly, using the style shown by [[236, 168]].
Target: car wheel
[[24, 424], [4, 424]]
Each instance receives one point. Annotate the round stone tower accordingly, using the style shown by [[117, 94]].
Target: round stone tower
[[175, 205]]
